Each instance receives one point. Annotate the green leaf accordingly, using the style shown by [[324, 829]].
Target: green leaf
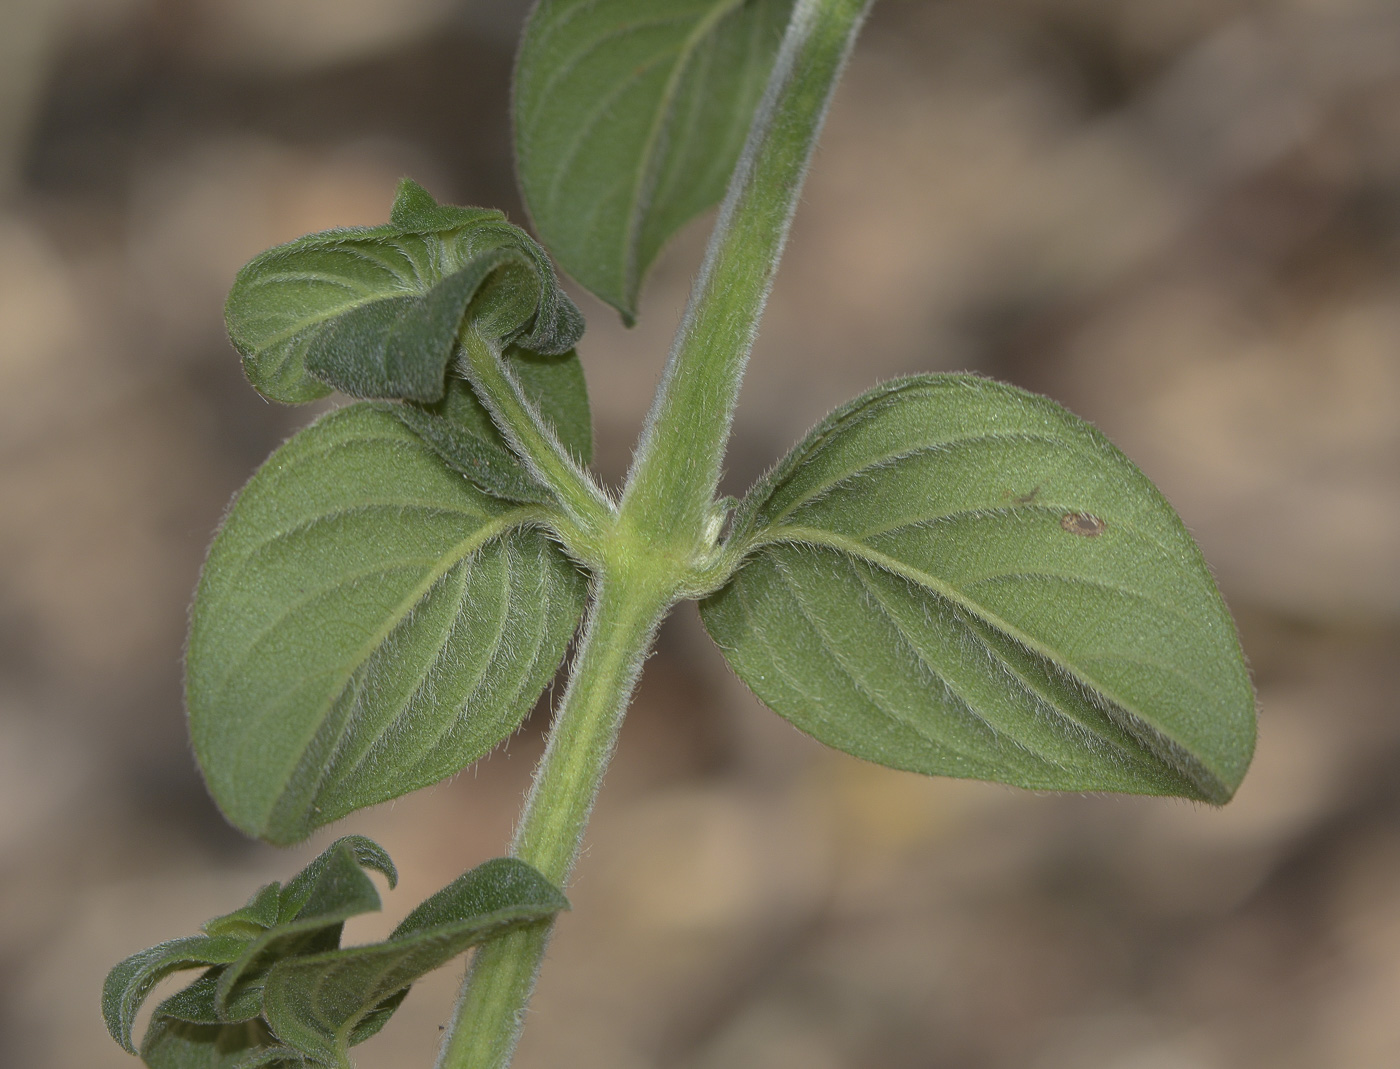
[[333, 879], [174, 1044], [367, 623], [215, 1021], [197, 1003], [319, 1004], [130, 981], [375, 311], [313, 910], [248, 922], [629, 118], [954, 576], [462, 433]]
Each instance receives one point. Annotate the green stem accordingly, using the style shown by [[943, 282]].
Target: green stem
[[582, 499], [676, 469], [659, 545], [626, 611]]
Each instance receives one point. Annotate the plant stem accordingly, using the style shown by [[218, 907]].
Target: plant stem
[[625, 614], [533, 439], [657, 547], [677, 465]]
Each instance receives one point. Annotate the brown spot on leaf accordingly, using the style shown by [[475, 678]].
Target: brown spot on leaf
[[1083, 523]]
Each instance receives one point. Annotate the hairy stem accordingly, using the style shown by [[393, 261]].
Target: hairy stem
[[625, 614], [677, 465], [582, 499], [657, 548]]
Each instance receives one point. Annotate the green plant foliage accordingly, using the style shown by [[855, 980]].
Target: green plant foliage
[[316, 1003], [461, 432], [948, 575], [283, 992], [375, 311], [171, 1043], [312, 911], [629, 118], [954, 576], [131, 981], [242, 944], [366, 624]]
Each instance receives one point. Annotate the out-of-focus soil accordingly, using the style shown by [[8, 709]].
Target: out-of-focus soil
[[1182, 220]]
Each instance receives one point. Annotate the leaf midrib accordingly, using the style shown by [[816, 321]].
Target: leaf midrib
[[1029, 687], [485, 662], [346, 669], [892, 709], [1135, 723]]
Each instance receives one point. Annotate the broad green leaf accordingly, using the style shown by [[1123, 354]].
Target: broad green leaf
[[375, 311], [130, 981], [319, 1004], [367, 623], [461, 431], [954, 576], [629, 118]]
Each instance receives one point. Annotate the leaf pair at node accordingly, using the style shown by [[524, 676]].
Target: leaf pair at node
[[278, 990], [381, 606], [949, 575]]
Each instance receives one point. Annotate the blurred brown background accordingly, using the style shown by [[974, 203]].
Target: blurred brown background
[[1181, 219]]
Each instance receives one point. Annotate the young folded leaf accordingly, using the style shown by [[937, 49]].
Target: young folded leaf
[[628, 121], [130, 981], [321, 886], [375, 311], [318, 1003], [289, 995], [312, 912], [198, 1025], [367, 623], [956, 577], [251, 920]]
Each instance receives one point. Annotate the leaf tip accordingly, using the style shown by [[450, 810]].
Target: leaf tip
[[413, 204]]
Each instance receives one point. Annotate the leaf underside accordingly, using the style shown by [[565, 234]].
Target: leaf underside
[[629, 118], [367, 623], [956, 577]]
